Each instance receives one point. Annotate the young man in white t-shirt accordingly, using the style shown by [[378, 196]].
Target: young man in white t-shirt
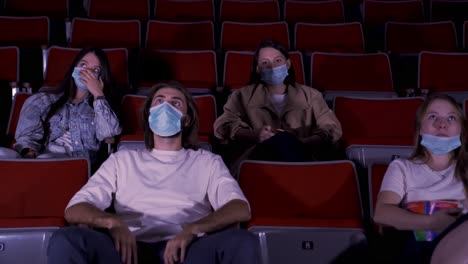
[[173, 204]]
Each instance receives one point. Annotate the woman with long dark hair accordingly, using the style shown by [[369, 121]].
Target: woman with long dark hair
[[275, 118], [72, 119]]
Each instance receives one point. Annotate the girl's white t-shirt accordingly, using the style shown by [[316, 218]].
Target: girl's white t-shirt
[[414, 180]]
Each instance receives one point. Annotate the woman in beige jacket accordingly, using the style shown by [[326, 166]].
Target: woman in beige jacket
[[274, 118]]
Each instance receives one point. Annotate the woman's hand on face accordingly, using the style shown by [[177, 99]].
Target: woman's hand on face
[[265, 133], [95, 86], [443, 218]]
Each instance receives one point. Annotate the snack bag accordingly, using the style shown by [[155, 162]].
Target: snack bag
[[428, 207]]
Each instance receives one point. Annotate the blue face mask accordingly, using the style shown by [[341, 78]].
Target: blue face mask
[[76, 77], [440, 145], [276, 75], [164, 120]]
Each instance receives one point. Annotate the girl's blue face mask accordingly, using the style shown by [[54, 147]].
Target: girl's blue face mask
[[440, 145], [76, 77], [165, 120], [275, 76]]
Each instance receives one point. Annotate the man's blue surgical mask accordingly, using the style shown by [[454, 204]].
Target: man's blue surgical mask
[[165, 120], [76, 77], [276, 75], [440, 145]]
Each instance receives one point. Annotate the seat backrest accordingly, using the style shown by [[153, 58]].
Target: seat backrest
[[247, 36], [443, 72], [180, 35], [376, 173], [320, 12], [57, 9], [132, 107], [24, 32], [9, 64], [376, 118], [327, 190], [40, 188], [378, 12], [118, 9], [238, 65], [17, 105], [194, 69], [351, 72], [410, 38], [118, 60], [183, 11], [442, 10], [207, 114], [345, 37], [237, 68], [59, 59], [298, 62], [105, 33], [249, 11]]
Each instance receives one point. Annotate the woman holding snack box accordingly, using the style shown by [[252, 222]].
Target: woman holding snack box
[[426, 193]]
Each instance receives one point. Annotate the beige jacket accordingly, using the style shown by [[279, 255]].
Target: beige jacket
[[305, 113]]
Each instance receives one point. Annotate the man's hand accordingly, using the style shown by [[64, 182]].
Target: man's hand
[[180, 242], [124, 240]]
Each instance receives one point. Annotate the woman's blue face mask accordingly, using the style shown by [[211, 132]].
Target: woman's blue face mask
[[275, 76], [440, 145], [76, 77]]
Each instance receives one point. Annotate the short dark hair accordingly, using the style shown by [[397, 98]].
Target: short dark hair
[[256, 78], [189, 132]]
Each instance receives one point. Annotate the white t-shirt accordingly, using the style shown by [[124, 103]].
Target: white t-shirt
[[160, 192], [416, 181], [279, 101]]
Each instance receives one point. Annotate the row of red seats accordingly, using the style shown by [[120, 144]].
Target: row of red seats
[[365, 121], [331, 73], [320, 200], [315, 197], [292, 11], [343, 37], [131, 107], [368, 123], [369, 130]]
